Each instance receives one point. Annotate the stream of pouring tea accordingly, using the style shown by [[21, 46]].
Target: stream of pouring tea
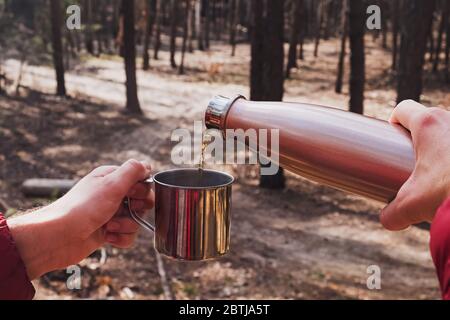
[[201, 164]]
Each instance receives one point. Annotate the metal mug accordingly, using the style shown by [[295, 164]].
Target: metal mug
[[192, 213]]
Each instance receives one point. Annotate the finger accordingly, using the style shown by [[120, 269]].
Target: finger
[[150, 200], [122, 225], [122, 241], [405, 113], [140, 205], [404, 210], [103, 171], [130, 173], [139, 191]]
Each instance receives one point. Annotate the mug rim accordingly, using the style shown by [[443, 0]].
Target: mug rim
[[232, 179]]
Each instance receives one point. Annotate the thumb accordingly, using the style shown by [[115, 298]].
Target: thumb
[[130, 173], [404, 210]]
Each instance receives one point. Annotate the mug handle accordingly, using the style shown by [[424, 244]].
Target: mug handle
[[136, 217]]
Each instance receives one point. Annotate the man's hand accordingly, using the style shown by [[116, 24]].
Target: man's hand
[[86, 218], [429, 184]]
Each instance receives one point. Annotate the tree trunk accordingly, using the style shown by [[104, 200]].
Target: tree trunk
[[447, 53], [431, 43], [185, 35], [150, 11], [232, 14], [57, 46], [319, 22], [273, 71], [341, 63], [129, 52], [395, 25], [442, 26], [199, 24], [294, 36], [257, 53], [413, 47], [158, 19], [384, 25], [357, 20], [173, 31], [89, 42], [192, 31], [207, 8]]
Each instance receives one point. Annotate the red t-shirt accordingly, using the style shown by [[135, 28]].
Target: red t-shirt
[[440, 247], [14, 282]]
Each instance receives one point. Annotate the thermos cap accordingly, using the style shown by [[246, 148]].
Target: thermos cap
[[217, 111]]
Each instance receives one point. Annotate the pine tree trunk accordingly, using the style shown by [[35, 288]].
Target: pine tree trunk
[[150, 8], [395, 27], [273, 72], [431, 43], [89, 42], [185, 34], [129, 51], [173, 31], [232, 19], [442, 26], [447, 53], [158, 20], [57, 46], [207, 8], [319, 22], [384, 25], [341, 63], [192, 31], [257, 51], [413, 47], [294, 36], [199, 24], [357, 20]]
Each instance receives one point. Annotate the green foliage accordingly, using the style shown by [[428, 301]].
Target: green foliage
[[24, 30]]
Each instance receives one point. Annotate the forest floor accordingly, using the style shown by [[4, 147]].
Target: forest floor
[[305, 242]]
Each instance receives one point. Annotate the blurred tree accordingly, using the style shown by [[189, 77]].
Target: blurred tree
[[199, 24], [24, 10], [57, 46], [207, 15], [395, 27], [129, 52], [150, 13], [158, 19], [442, 27], [357, 25], [267, 63], [233, 26], [342, 53], [88, 28], [173, 31], [186, 18], [447, 52], [192, 31], [319, 25], [413, 47], [296, 23], [257, 47]]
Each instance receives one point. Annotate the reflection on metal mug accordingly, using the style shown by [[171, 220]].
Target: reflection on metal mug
[[192, 213]]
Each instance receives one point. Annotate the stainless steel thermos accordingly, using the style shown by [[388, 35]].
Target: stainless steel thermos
[[351, 152]]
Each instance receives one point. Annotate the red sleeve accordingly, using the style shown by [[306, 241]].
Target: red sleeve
[[14, 282], [440, 247]]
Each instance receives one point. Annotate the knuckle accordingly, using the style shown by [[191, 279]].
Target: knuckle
[[99, 170], [429, 119], [405, 103], [135, 165]]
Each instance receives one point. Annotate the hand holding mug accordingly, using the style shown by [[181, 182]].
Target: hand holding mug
[[86, 218]]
